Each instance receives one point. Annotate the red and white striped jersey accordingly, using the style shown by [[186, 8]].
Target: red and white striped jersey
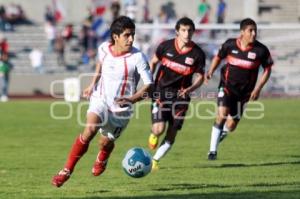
[[120, 74]]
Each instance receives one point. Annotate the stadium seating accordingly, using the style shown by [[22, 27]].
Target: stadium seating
[[283, 43], [25, 38]]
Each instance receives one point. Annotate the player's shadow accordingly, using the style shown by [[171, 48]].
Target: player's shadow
[[247, 165], [292, 194], [187, 186]]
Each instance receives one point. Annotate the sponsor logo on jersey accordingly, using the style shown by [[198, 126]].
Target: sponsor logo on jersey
[[235, 52], [170, 55], [189, 61], [242, 63], [179, 68], [251, 55]]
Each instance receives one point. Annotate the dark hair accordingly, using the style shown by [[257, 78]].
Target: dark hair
[[119, 25], [247, 22], [186, 22]]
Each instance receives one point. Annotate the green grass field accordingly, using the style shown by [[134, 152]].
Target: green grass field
[[261, 159]]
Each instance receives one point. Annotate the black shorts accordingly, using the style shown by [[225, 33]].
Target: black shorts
[[172, 111], [233, 102]]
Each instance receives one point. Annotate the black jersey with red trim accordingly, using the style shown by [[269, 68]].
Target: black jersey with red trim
[[177, 67], [239, 75]]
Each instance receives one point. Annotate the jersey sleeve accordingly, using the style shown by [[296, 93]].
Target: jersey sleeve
[[223, 51], [101, 53], [267, 60], [159, 51], [143, 69]]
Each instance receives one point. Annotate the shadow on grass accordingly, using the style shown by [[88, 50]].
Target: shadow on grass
[[293, 194], [247, 165]]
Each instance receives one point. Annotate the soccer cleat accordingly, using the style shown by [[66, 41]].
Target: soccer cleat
[[212, 155], [152, 141], [222, 136], [62, 176], [155, 166], [99, 167]]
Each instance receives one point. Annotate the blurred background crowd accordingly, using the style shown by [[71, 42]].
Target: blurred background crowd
[[54, 38]]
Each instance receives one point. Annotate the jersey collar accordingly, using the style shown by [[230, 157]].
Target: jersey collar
[[115, 54], [238, 43], [191, 45]]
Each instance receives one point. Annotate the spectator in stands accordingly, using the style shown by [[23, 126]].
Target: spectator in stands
[[88, 42], [220, 15], [89, 19], [159, 35], [203, 12], [2, 18], [15, 14], [36, 60], [170, 11], [49, 15], [146, 12], [22, 16], [12, 12], [5, 68], [60, 49], [83, 39], [3, 45], [50, 31], [131, 9], [221, 11], [2, 11], [115, 8], [67, 32], [92, 45]]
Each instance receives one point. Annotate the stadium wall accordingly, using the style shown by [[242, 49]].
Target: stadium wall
[[32, 85], [38, 84]]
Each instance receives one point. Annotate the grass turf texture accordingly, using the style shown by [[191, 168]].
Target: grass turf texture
[[259, 160]]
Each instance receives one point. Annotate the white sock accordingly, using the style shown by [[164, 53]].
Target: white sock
[[214, 140], [225, 128], [162, 150]]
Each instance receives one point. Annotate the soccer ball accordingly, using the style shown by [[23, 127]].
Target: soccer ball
[[137, 162]]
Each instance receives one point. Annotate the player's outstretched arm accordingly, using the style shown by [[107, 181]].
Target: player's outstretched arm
[[196, 84], [153, 63], [262, 81], [213, 66], [126, 101]]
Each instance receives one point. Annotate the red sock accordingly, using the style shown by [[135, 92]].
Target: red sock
[[78, 149], [104, 154]]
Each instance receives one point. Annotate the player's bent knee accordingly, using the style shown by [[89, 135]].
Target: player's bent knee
[[231, 129], [157, 130], [220, 121], [89, 132], [231, 125], [92, 130], [170, 141]]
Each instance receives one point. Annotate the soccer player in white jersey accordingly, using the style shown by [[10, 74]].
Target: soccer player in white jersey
[[112, 93]]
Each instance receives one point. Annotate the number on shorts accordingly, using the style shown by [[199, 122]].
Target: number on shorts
[[117, 132]]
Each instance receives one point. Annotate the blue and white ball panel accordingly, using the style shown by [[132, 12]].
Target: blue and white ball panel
[[137, 162]]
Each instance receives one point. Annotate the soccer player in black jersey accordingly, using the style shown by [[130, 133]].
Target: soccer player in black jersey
[[180, 59], [244, 55]]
